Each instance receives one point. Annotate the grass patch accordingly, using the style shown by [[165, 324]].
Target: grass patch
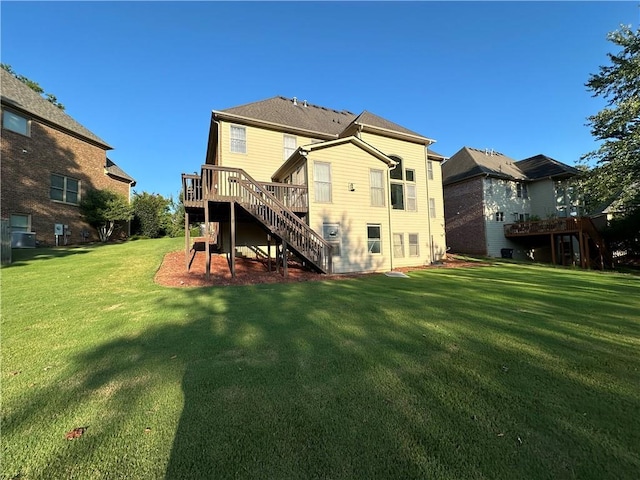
[[508, 371]]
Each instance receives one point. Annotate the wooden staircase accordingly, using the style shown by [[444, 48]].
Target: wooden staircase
[[222, 184]]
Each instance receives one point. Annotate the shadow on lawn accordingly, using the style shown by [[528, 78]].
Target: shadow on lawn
[[374, 378]]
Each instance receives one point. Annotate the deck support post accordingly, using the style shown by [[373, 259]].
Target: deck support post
[[207, 237], [285, 272], [587, 253], [269, 252], [232, 229], [553, 250], [187, 240], [581, 244]]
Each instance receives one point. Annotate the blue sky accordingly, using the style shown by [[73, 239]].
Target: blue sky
[[144, 76]]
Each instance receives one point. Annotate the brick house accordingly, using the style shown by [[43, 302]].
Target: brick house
[[49, 161], [495, 205]]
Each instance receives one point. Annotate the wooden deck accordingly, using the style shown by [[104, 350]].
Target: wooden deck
[[592, 248], [221, 194]]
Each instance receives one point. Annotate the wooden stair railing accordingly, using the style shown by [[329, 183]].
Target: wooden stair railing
[[604, 258], [234, 184]]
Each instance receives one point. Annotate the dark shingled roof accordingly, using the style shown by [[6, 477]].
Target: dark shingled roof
[[541, 166], [471, 162], [17, 95], [115, 171], [282, 111], [312, 118]]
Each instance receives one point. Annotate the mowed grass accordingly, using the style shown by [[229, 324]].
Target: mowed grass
[[498, 372]]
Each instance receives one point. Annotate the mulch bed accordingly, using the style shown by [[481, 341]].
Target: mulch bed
[[173, 271]]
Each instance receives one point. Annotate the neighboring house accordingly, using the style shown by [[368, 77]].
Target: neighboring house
[[49, 161], [313, 179], [497, 206]]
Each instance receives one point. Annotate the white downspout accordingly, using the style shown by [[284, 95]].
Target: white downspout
[[426, 166]]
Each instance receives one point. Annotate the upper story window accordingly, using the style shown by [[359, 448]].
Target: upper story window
[[376, 180], [397, 196], [499, 216], [396, 173], [521, 190], [238, 139], [65, 189], [322, 181], [430, 169], [16, 123], [432, 208], [290, 145]]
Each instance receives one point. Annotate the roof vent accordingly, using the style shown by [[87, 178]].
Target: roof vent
[[295, 101], [304, 103]]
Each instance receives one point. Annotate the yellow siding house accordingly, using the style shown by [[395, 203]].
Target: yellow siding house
[[341, 192]]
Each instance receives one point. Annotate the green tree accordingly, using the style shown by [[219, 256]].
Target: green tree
[[35, 86], [152, 215], [102, 209], [616, 176]]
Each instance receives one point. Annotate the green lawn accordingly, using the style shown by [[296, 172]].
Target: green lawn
[[500, 372]]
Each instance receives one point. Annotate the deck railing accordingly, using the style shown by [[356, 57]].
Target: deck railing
[[294, 197], [552, 225], [234, 184]]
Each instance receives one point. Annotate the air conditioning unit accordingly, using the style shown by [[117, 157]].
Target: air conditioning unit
[[23, 240]]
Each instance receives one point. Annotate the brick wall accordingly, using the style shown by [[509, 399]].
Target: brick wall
[[464, 219], [27, 165]]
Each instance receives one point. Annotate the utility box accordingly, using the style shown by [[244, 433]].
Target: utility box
[[506, 252], [23, 240], [58, 229]]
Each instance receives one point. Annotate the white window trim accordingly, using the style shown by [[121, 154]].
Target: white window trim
[[400, 245], [416, 244], [433, 213], [379, 239], [377, 189], [287, 151], [316, 182], [231, 139], [411, 186]]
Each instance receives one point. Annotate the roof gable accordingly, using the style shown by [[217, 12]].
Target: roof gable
[[284, 113], [471, 162], [304, 150], [19, 96], [541, 166]]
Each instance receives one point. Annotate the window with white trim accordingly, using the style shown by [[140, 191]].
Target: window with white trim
[[65, 189], [411, 197], [16, 123], [322, 182], [499, 216], [430, 169], [397, 196], [521, 190], [374, 238], [376, 181], [290, 145], [398, 245], [432, 207], [414, 249], [238, 139]]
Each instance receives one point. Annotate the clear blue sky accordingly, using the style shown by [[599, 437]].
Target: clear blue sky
[[144, 76]]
